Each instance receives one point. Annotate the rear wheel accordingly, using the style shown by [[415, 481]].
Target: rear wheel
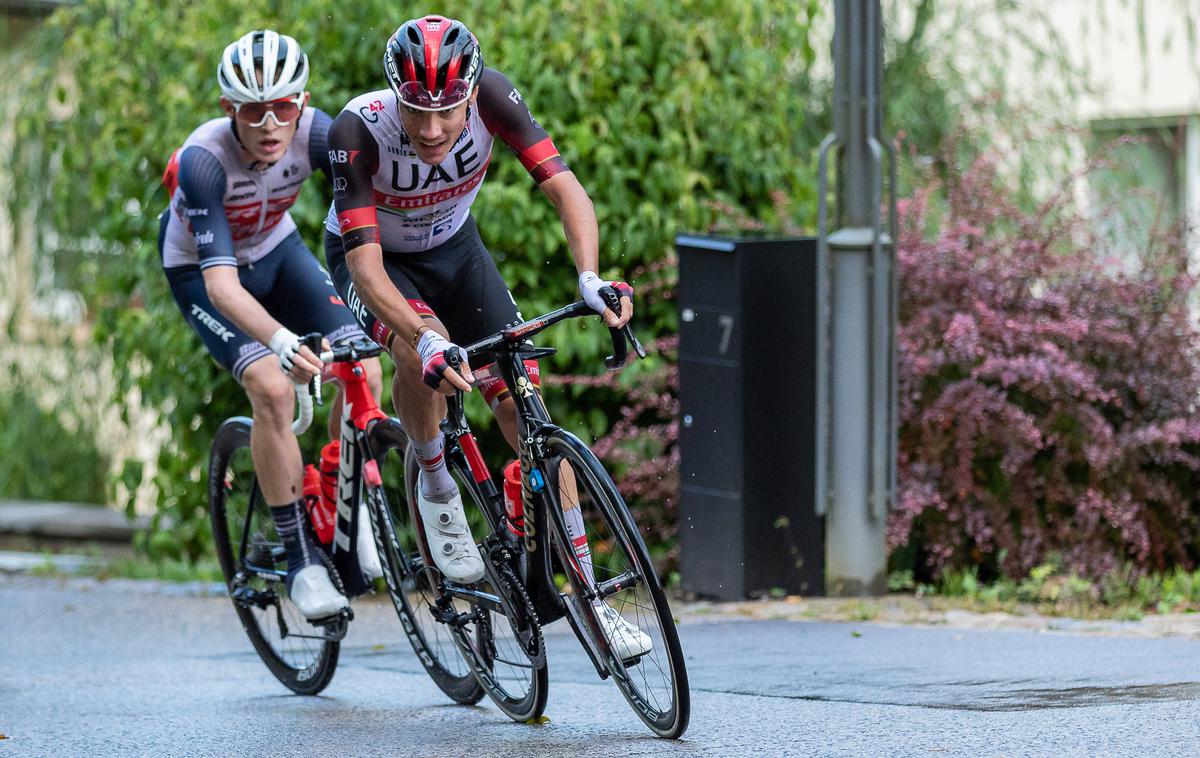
[[413, 587], [655, 682], [255, 565]]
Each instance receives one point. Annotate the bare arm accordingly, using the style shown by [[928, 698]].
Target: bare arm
[[239, 306], [578, 218], [583, 237]]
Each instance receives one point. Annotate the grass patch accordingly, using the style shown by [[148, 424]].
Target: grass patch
[[163, 571], [64, 565], [1124, 595]]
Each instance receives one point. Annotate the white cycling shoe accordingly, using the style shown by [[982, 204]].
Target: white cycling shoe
[[368, 555], [313, 593], [450, 539], [626, 639]]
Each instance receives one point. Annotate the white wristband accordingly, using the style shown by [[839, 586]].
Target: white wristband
[[285, 344], [589, 286]]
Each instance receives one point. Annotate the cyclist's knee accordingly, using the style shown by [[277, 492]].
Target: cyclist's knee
[[494, 391], [271, 392]]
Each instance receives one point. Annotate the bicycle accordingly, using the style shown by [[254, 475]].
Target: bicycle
[[533, 578], [254, 562]]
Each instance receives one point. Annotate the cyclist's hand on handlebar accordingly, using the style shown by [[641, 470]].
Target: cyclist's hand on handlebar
[[432, 348], [295, 360], [592, 286]]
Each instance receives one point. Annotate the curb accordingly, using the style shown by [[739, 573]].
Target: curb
[[75, 521]]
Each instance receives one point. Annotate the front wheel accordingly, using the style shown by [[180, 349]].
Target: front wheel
[[255, 564], [612, 576]]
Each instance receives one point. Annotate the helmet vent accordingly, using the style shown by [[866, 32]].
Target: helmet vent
[[413, 37]]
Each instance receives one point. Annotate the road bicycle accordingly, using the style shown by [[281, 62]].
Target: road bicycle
[[303, 655], [475, 639], [532, 574]]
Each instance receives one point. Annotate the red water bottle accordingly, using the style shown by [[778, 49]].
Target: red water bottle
[[331, 461], [321, 514], [514, 507]]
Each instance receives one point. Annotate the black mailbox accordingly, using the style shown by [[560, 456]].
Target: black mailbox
[[747, 391]]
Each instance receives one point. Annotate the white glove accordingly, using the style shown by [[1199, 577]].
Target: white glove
[[430, 347], [285, 344], [589, 286]]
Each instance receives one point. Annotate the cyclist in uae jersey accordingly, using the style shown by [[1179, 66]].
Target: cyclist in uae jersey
[[405, 253], [244, 280]]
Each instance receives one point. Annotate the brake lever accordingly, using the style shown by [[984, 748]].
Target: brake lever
[[456, 416], [313, 342]]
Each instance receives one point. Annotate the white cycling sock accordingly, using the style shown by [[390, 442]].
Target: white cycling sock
[[579, 541], [436, 482]]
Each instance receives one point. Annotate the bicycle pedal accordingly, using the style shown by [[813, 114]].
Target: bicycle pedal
[[248, 597], [335, 626]]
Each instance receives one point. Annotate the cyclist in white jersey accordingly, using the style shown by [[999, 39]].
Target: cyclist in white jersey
[[405, 253], [244, 280]]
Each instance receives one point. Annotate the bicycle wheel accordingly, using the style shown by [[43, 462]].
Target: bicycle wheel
[[500, 635], [254, 563], [655, 683], [412, 587]]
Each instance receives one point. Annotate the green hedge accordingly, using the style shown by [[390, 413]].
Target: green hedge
[[671, 114]]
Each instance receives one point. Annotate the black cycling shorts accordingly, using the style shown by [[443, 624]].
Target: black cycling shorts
[[290, 284], [456, 282]]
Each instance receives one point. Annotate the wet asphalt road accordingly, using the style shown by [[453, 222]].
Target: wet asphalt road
[[138, 668]]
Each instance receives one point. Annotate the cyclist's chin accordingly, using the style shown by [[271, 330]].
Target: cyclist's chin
[[435, 155], [269, 150]]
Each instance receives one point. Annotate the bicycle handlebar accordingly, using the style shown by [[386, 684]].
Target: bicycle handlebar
[[307, 392], [621, 338]]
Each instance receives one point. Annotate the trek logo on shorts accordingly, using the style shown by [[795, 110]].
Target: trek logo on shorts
[[215, 326]]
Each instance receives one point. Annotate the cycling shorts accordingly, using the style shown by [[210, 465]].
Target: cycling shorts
[[456, 282], [289, 283]]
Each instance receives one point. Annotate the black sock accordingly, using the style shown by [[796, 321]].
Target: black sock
[[289, 522]]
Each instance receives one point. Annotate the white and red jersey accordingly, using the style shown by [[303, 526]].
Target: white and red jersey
[[378, 178], [419, 206], [254, 197]]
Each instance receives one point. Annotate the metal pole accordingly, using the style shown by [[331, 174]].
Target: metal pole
[[856, 315]]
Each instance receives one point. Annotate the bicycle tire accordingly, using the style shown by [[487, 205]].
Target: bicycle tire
[[410, 585], [516, 683], [302, 664], [656, 683]]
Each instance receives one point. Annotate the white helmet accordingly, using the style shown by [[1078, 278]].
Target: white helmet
[[284, 68]]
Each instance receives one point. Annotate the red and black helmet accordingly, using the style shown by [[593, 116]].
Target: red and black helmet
[[433, 63]]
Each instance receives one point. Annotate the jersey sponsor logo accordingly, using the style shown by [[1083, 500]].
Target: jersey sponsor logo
[[384, 200], [291, 171], [214, 326], [191, 212], [244, 219], [243, 183], [340, 187], [343, 156], [241, 196], [515, 96], [466, 159], [203, 238]]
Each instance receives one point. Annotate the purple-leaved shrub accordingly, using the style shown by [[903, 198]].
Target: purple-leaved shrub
[[1047, 396]]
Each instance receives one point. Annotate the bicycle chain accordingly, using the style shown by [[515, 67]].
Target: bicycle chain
[[534, 649]]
